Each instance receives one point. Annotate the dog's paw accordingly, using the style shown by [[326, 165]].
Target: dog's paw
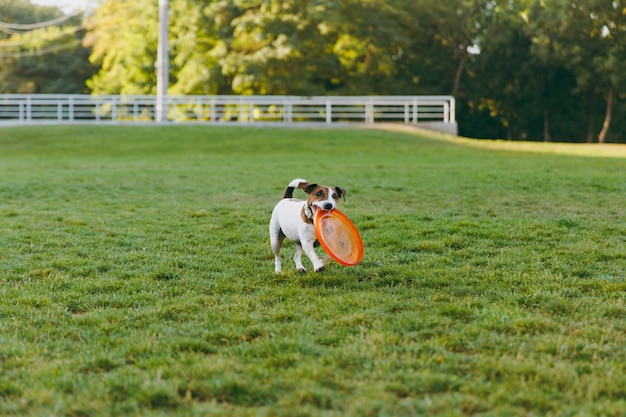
[[320, 269], [301, 270]]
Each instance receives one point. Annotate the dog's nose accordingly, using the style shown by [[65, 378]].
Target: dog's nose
[[328, 206]]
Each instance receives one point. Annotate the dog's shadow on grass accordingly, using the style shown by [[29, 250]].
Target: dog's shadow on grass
[[335, 276]]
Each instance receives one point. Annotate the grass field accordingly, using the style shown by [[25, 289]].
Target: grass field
[[137, 279]]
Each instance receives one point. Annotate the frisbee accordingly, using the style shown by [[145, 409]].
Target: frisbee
[[339, 237]]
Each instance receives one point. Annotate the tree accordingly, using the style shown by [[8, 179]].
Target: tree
[[500, 74], [456, 27], [589, 38], [370, 42], [520, 69], [281, 47], [49, 59], [217, 47], [201, 35], [123, 37], [530, 91], [246, 47]]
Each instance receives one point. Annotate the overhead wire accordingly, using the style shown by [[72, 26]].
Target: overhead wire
[[33, 26], [21, 29]]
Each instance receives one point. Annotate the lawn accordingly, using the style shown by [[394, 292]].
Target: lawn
[[137, 277]]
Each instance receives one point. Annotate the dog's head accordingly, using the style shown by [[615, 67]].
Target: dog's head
[[323, 197]]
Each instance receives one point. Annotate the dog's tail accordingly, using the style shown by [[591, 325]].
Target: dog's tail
[[297, 183]]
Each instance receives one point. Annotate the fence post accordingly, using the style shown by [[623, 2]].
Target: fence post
[[452, 118], [287, 111], [329, 112], [29, 109]]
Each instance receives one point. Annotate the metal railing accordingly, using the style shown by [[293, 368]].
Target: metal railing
[[70, 108]]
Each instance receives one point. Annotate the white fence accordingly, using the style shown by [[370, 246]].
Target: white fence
[[70, 108]]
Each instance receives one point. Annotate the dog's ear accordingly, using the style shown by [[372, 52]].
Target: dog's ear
[[307, 187], [341, 192]]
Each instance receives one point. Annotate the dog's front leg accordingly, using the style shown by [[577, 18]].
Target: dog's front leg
[[297, 258], [309, 250]]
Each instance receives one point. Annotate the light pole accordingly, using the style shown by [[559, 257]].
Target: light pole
[[162, 63]]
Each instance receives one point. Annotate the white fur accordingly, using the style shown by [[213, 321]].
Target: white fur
[[296, 182]]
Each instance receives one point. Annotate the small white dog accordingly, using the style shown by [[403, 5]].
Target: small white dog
[[293, 218]]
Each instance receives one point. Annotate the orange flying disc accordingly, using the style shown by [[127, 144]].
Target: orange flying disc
[[339, 237]]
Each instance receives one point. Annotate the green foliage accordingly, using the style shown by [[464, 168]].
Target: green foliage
[[124, 47], [137, 278], [278, 48], [527, 69], [588, 42], [46, 60], [18, 11], [200, 44], [260, 47]]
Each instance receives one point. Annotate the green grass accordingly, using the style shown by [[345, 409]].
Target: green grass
[[137, 279]]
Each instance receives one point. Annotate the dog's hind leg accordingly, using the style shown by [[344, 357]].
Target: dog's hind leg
[[297, 258], [276, 241]]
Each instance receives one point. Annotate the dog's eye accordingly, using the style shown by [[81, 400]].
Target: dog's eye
[[335, 196], [319, 193]]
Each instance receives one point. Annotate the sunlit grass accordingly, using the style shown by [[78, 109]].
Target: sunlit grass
[[605, 150], [137, 278]]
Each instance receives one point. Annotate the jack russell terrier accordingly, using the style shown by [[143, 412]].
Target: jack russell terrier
[[293, 218]]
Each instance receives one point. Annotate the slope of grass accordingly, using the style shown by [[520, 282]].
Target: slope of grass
[[137, 278]]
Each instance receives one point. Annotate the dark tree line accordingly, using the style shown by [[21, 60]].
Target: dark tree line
[[527, 69]]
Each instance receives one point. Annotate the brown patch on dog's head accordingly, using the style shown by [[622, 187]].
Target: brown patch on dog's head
[[341, 192], [317, 192], [323, 197], [307, 187]]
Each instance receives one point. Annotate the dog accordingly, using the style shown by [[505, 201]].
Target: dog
[[293, 218]]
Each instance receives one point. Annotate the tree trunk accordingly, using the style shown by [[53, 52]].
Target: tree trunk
[[546, 126], [607, 116], [459, 73]]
